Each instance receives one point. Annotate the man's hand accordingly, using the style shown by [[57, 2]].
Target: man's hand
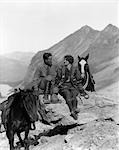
[[48, 78]]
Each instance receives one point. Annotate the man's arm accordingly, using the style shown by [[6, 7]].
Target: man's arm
[[76, 79], [58, 76]]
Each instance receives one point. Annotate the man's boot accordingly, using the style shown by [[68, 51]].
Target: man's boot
[[73, 114], [54, 99], [54, 95], [75, 103]]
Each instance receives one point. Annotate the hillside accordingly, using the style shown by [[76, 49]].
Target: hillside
[[96, 128], [13, 67], [11, 70], [24, 57]]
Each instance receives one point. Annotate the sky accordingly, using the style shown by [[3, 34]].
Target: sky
[[37, 25]]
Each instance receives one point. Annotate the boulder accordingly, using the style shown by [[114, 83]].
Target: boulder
[[94, 108]]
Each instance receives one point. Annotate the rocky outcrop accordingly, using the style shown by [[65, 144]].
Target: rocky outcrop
[[96, 107], [96, 135], [95, 129]]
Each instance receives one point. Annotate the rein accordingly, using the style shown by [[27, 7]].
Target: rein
[[87, 80]]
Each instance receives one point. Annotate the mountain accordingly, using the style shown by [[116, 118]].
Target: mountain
[[11, 70], [13, 67], [24, 57], [104, 56], [102, 47], [74, 44]]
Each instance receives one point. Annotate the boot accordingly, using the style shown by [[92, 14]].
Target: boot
[[54, 98], [73, 114], [69, 103], [75, 103]]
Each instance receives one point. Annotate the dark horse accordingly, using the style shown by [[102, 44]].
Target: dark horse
[[20, 115], [87, 78]]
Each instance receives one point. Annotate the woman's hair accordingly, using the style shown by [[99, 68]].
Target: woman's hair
[[69, 58]]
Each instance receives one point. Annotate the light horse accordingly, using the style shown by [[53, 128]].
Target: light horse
[[87, 79]]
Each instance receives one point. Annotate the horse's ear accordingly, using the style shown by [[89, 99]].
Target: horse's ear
[[79, 57], [86, 58]]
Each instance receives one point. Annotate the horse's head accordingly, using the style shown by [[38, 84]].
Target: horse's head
[[83, 65], [86, 77]]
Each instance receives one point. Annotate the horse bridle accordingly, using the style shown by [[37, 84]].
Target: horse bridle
[[86, 75]]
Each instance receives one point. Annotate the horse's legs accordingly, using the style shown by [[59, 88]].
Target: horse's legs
[[26, 137], [27, 132], [20, 139], [10, 136]]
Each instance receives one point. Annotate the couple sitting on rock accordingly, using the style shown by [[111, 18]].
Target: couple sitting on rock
[[50, 80]]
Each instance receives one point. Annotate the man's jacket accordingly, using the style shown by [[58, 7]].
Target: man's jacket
[[41, 73], [69, 78]]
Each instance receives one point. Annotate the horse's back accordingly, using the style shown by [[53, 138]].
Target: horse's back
[[21, 106]]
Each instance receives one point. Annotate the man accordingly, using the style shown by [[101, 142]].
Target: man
[[65, 81], [45, 77], [43, 82]]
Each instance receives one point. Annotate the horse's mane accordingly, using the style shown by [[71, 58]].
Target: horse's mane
[[25, 99], [17, 97]]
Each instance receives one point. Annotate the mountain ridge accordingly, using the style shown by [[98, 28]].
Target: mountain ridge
[[102, 47], [13, 67]]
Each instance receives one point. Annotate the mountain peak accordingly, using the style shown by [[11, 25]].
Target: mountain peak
[[86, 28], [111, 28]]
